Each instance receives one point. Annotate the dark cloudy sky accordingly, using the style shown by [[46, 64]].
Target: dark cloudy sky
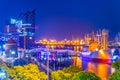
[[59, 19]]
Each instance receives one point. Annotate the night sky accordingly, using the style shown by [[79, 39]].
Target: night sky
[[59, 19]]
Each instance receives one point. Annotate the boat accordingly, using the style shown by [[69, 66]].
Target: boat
[[97, 56]]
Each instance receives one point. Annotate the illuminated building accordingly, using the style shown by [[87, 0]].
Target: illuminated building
[[92, 37], [93, 46], [116, 41], [22, 30], [11, 30], [104, 39], [27, 38], [26, 42], [87, 39], [11, 48], [28, 18], [98, 36], [18, 33]]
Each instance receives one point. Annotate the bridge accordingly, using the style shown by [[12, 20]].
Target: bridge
[[36, 50]]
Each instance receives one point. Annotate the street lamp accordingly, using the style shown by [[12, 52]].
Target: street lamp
[[48, 52]]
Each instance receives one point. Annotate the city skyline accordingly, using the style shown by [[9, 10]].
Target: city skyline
[[59, 40], [64, 19]]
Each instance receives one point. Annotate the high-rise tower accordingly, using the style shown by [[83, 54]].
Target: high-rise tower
[[104, 39], [28, 35]]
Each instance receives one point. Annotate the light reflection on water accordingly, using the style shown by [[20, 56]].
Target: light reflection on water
[[101, 69], [62, 60]]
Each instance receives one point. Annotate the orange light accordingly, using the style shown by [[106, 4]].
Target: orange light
[[103, 54], [102, 69]]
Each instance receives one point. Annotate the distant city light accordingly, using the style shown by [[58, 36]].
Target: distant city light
[[2, 74], [13, 52], [17, 22], [115, 57], [19, 31], [12, 21], [26, 24], [112, 50], [86, 53], [4, 46], [101, 51], [30, 37], [4, 54], [96, 49]]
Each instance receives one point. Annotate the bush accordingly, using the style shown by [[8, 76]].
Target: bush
[[84, 75], [116, 65], [115, 76]]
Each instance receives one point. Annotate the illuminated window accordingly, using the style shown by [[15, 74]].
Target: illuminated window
[[12, 21], [30, 37]]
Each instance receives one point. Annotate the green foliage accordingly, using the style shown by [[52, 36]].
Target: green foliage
[[60, 75], [26, 72], [66, 73], [73, 73], [116, 65], [72, 69], [115, 76], [84, 75], [3, 65]]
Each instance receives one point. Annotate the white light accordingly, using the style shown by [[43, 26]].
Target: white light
[[19, 30], [86, 53], [30, 37], [4, 46], [26, 24], [101, 51], [27, 56], [45, 58], [2, 74], [13, 21], [13, 52], [96, 49], [115, 57], [4, 54], [112, 50]]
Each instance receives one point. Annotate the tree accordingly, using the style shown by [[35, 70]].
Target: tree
[[65, 73], [116, 65], [26, 72], [3, 65], [115, 76], [84, 75], [72, 69], [60, 75]]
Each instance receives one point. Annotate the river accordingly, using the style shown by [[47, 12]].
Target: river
[[103, 70]]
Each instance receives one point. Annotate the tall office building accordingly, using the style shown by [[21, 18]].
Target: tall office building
[[92, 35], [22, 29], [104, 39], [27, 38], [98, 37], [87, 39]]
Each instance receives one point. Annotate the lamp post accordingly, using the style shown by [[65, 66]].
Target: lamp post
[[48, 63]]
